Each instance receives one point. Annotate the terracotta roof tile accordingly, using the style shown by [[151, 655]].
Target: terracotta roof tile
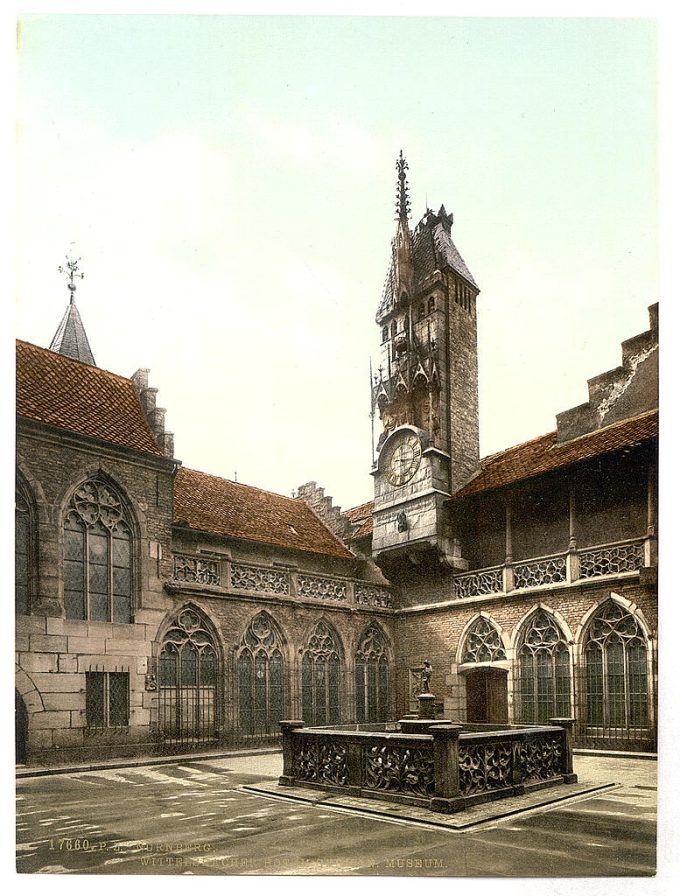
[[55, 389], [224, 507], [360, 517], [544, 454]]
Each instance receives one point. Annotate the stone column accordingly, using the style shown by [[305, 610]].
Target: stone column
[[651, 539], [447, 796], [573, 559], [508, 577], [568, 745], [288, 728]]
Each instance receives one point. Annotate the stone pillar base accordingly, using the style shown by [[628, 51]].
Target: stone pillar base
[[448, 805]]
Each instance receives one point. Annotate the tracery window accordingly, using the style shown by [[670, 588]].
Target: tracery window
[[483, 643], [544, 684], [321, 675], [187, 680], [616, 669], [260, 677], [372, 676], [97, 555], [22, 553]]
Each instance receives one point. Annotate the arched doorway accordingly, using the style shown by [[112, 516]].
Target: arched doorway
[[20, 728], [486, 690]]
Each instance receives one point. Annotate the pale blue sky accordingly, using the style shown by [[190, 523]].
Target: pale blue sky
[[229, 183]]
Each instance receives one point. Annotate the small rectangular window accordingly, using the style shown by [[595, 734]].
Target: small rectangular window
[[107, 699]]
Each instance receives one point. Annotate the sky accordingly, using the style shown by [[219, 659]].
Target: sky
[[229, 184]]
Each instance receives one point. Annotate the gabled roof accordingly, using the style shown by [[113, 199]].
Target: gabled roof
[[223, 507], [71, 339], [73, 395], [545, 453], [361, 519]]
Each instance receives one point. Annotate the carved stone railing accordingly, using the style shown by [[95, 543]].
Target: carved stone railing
[[321, 587], [542, 571], [200, 570], [257, 579], [371, 595], [610, 559], [481, 581], [446, 769]]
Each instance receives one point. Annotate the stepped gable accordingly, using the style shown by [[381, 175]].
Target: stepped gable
[[223, 507], [621, 393], [546, 453], [74, 395]]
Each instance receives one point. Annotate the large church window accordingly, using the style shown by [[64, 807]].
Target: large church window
[[22, 554], [544, 678], [372, 676], [97, 555], [616, 670], [321, 676], [483, 643], [187, 681], [260, 677]]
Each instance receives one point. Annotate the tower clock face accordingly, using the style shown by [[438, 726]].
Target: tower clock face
[[403, 458]]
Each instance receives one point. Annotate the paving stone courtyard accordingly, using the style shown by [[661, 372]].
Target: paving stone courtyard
[[213, 815]]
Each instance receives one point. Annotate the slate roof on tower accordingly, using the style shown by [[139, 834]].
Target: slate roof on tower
[[71, 339]]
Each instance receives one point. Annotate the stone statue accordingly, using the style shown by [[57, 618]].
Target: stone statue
[[425, 676]]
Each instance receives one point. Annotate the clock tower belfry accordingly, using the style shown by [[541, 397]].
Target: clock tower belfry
[[426, 389]]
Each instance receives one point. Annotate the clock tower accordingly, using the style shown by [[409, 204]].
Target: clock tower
[[426, 388]]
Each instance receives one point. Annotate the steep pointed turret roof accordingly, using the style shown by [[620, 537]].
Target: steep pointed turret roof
[[71, 339]]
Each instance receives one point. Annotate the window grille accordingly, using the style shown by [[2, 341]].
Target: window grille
[[107, 699], [372, 676], [543, 677], [187, 681], [97, 555], [22, 531], [260, 678], [321, 669], [616, 670]]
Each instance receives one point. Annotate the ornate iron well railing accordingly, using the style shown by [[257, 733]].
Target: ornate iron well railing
[[446, 769]]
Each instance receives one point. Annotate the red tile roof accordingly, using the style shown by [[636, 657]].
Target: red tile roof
[[63, 392], [361, 518], [540, 455], [545, 453], [228, 508]]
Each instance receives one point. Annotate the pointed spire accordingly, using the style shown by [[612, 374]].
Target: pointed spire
[[403, 202], [71, 339]]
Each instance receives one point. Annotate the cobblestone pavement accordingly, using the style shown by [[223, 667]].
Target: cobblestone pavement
[[193, 817]]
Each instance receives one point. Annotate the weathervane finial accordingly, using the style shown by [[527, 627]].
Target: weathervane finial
[[403, 202], [71, 271]]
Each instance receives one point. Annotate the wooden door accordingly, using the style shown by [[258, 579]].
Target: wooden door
[[487, 696]]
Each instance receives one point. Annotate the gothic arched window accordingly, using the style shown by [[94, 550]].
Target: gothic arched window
[[431, 305], [321, 667], [483, 643], [421, 310], [544, 683], [23, 543], [187, 680], [393, 328], [385, 334], [616, 669], [260, 677], [372, 676], [97, 555]]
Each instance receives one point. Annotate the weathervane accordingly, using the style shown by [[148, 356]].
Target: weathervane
[[71, 271]]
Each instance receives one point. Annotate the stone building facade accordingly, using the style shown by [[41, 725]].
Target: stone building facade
[[161, 609]]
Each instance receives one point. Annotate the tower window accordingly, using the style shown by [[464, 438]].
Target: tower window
[[385, 334], [431, 305], [393, 329], [421, 310]]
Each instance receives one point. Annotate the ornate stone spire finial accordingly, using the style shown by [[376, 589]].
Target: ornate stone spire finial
[[403, 202], [71, 271]]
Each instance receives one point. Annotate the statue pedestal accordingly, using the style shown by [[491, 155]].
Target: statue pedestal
[[426, 706], [421, 724]]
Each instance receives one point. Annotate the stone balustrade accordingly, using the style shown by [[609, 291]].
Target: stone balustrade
[[251, 579], [446, 769]]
